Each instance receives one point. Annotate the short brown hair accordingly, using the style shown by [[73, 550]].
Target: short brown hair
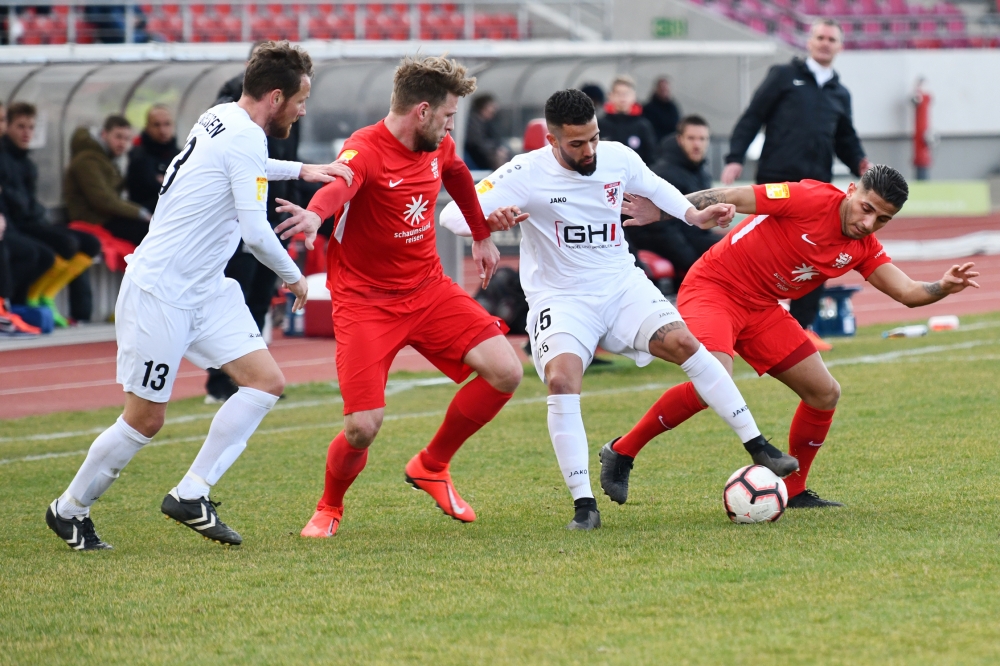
[[114, 121], [18, 109], [276, 66], [693, 120], [428, 79]]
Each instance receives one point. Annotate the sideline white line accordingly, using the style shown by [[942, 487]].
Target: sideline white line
[[857, 360]]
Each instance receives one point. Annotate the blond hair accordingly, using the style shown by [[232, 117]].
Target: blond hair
[[428, 79], [623, 80]]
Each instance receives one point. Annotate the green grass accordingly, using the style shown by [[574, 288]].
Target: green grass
[[907, 573]]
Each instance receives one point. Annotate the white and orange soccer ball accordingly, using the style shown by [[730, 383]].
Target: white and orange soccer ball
[[754, 494]]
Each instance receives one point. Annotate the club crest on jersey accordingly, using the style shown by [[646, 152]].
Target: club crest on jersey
[[484, 186], [803, 273], [777, 191], [612, 195], [347, 155], [415, 210], [434, 167], [261, 189], [842, 260]]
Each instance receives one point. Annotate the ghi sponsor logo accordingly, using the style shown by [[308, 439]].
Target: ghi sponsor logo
[[589, 237]]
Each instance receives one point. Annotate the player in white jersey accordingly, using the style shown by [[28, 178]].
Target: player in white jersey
[[176, 303], [584, 290]]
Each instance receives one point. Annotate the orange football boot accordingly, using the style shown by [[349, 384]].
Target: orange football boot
[[821, 344], [439, 486], [324, 523]]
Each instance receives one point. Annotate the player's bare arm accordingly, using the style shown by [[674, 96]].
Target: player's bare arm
[[896, 284], [705, 214]]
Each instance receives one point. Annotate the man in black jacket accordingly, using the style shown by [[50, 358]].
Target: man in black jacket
[[807, 114], [148, 161], [623, 121], [682, 163], [661, 110]]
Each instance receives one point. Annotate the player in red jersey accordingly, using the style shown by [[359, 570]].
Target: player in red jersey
[[389, 289], [798, 236]]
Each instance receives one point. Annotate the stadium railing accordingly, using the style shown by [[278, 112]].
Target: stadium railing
[[102, 21]]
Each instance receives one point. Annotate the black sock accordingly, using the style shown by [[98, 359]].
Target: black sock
[[755, 445]]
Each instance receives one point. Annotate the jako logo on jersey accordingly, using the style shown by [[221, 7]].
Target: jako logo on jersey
[[484, 186], [611, 195], [434, 167], [803, 273], [261, 189], [842, 260], [347, 155], [557, 200], [777, 191], [414, 214]]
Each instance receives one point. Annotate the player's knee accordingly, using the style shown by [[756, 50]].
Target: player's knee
[[148, 423], [676, 346], [825, 397], [832, 394], [508, 376], [274, 383], [561, 384], [361, 429]]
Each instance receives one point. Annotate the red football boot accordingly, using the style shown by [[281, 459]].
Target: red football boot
[[324, 523], [439, 486]]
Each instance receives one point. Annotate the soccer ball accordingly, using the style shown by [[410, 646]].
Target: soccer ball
[[754, 494]]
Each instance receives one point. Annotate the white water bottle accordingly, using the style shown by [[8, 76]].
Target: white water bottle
[[912, 331]]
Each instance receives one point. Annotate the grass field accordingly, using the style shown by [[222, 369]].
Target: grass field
[[908, 573]]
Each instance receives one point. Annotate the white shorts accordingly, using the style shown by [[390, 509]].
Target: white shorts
[[621, 322], [153, 336]]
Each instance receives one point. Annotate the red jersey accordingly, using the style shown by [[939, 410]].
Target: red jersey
[[385, 240], [791, 246]]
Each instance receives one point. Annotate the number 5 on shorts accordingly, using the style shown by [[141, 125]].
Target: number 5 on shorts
[[161, 378]]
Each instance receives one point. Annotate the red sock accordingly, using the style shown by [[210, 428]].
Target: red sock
[[343, 464], [473, 406], [673, 408], [807, 434]]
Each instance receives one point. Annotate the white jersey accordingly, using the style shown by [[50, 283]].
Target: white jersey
[[221, 170], [572, 240]]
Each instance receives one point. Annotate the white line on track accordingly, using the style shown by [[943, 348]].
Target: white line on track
[[887, 357]]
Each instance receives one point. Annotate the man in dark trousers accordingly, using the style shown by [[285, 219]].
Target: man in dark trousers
[[682, 163], [661, 110], [623, 121], [149, 159], [257, 280], [808, 119]]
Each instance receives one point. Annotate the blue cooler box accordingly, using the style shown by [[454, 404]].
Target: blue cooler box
[[836, 314]]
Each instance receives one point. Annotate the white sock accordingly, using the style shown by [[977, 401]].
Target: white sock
[[569, 439], [716, 387], [106, 458], [227, 437]]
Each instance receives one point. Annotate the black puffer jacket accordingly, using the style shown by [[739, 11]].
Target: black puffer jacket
[[147, 163], [18, 186], [675, 167], [805, 126], [632, 130]]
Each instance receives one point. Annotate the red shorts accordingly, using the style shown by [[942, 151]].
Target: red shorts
[[767, 338], [438, 319]]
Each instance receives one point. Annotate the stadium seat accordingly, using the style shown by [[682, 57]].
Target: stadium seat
[[114, 249], [534, 134], [659, 267]]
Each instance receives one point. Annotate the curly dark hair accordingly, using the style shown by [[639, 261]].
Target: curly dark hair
[[887, 183], [568, 107]]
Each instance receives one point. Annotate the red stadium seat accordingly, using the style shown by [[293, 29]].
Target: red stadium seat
[[534, 134], [659, 267]]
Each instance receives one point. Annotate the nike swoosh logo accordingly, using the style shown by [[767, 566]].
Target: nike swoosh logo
[[811, 443], [454, 505], [392, 184], [663, 423], [798, 82], [805, 237]]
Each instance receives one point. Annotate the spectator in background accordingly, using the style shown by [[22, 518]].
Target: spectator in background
[[483, 144], [149, 159], [74, 250], [682, 163], [623, 121], [93, 185], [661, 110], [807, 112], [10, 323], [596, 95]]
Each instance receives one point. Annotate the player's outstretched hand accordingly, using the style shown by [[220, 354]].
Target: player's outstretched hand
[[640, 209], [716, 215], [505, 218], [958, 278], [326, 173], [301, 221], [486, 257], [301, 291]]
